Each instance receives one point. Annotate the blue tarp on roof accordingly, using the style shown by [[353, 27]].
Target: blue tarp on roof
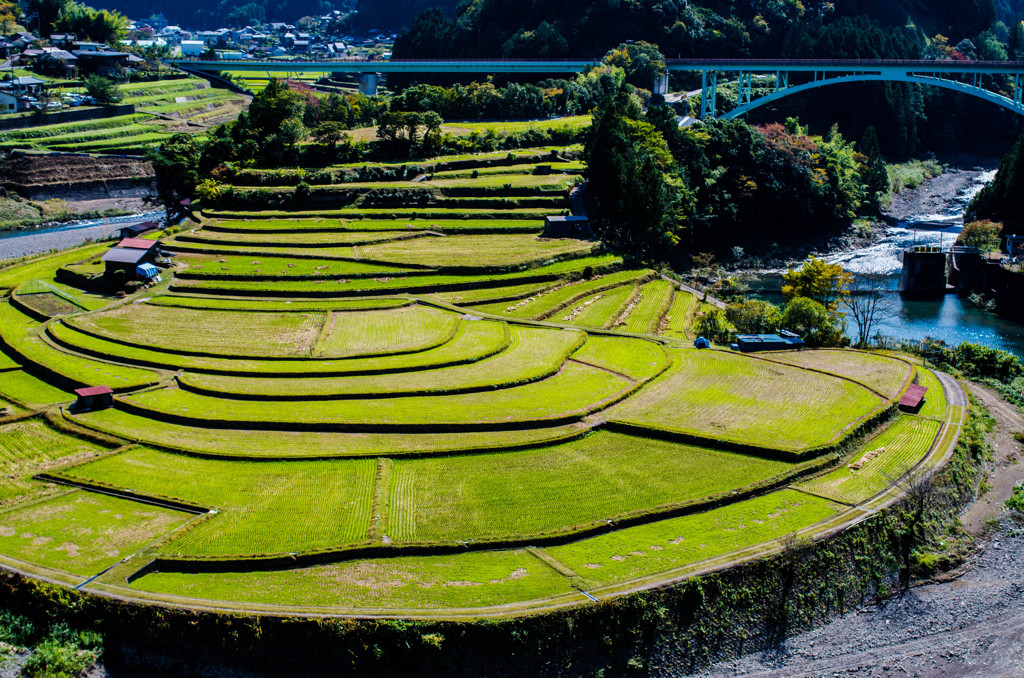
[[147, 270]]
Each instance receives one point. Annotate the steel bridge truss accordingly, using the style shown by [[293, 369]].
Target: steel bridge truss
[[978, 79]]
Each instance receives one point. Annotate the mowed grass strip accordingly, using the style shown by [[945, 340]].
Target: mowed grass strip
[[748, 401], [301, 224], [648, 549], [398, 330], [321, 239], [32, 446], [558, 489], [545, 304], [20, 387], [397, 284], [599, 310], [466, 580], [223, 332], [878, 462], [878, 372], [20, 333], [679, 318], [575, 391], [534, 353], [511, 294], [472, 341], [300, 444], [215, 266], [82, 532], [270, 507], [479, 251], [635, 358], [276, 306], [934, 404], [646, 316]]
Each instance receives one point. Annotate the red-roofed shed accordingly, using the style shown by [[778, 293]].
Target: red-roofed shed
[[138, 243], [93, 398], [912, 399]]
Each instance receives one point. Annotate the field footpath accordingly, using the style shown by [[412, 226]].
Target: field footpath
[[940, 454]]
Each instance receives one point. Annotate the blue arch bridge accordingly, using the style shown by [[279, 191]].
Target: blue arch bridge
[[751, 82]]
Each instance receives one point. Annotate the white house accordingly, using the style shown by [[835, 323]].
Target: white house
[[192, 48]]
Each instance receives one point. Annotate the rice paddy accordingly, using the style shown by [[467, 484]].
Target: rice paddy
[[161, 108], [414, 408]]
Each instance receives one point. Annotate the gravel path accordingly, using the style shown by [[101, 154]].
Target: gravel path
[[23, 243]]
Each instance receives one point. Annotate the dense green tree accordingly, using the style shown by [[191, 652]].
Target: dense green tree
[[754, 317], [827, 284], [985, 235], [1003, 199], [102, 89], [639, 202], [874, 174], [102, 25], [641, 61], [813, 322], [176, 166]]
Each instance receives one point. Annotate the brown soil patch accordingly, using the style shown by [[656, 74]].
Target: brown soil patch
[[53, 169], [1007, 471]]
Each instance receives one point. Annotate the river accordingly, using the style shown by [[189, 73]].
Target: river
[[28, 241], [950, 318]]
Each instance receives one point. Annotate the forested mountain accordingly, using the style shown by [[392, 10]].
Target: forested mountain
[[203, 14], [393, 15]]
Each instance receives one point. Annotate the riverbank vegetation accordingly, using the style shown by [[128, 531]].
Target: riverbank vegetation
[[1003, 199]]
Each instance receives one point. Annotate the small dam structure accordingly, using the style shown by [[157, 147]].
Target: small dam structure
[[924, 271]]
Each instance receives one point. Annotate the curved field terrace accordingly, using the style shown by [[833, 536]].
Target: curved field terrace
[[430, 410]]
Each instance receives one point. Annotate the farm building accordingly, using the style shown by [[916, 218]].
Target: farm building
[[913, 398], [93, 398], [125, 259], [782, 341], [135, 230], [567, 227], [138, 244]]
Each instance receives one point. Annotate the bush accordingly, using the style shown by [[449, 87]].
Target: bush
[[302, 192], [754, 317], [15, 629], [1016, 500], [714, 325], [53, 658], [102, 89], [985, 235], [813, 322]]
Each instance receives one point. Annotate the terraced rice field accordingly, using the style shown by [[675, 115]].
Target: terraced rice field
[[32, 446], [721, 395], [878, 462], [161, 108], [363, 408], [883, 375]]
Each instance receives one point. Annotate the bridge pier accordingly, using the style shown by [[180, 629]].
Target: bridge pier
[[368, 83], [661, 84], [708, 94]]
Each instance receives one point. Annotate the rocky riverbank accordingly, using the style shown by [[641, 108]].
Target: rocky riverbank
[[945, 195]]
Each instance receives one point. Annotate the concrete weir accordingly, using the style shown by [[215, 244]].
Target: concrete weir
[[924, 271]]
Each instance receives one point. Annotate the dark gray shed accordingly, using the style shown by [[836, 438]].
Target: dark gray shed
[[567, 227]]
